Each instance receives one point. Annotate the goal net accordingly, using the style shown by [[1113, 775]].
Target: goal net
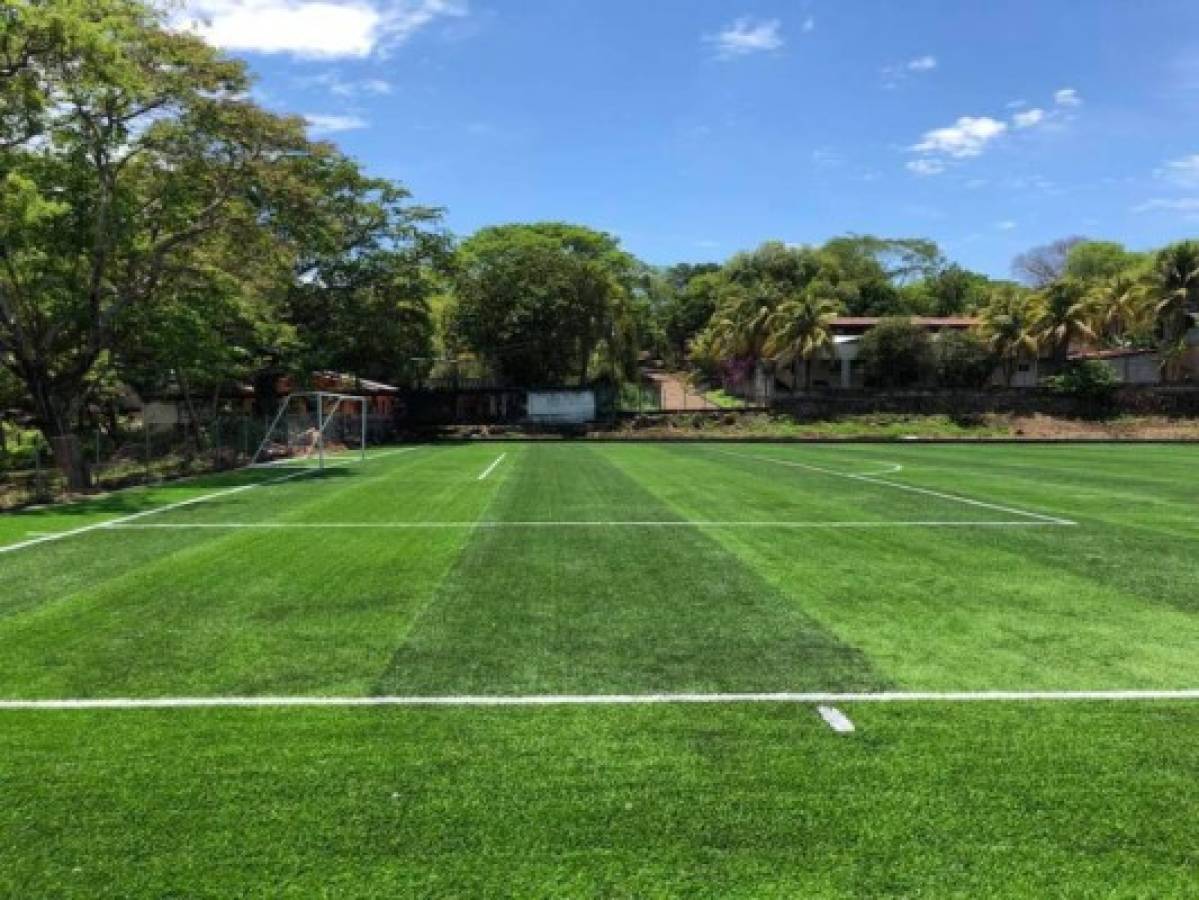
[[315, 427]]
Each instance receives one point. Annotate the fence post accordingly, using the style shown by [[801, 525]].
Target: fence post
[[146, 435]]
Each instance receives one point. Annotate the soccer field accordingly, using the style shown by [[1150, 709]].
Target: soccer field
[[611, 668]]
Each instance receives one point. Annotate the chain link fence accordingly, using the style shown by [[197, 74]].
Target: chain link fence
[[130, 454]]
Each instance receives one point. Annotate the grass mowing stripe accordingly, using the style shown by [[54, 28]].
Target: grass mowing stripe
[[699, 523], [608, 610], [243, 613]]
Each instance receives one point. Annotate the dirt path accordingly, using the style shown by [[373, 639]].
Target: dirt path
[[677, 394]]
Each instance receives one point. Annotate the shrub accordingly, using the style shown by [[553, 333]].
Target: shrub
[[896, 353], [963, 360], [1090, 382]]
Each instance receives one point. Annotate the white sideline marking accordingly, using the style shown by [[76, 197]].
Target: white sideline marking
[[122, 520], [813, 697], [491, 467], [700, 523], [873, 479], [835, 719]]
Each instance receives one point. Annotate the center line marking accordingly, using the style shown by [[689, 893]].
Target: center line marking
[[491, 467], [836, 719]]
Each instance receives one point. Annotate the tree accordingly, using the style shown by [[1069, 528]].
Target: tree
[[954, 290], [367, 264], [1175, 285], [1101, 260], [1044, 264], [1122, 308], [1066, 315], [1010, 321], [546, 302], [801, 329], [145, 148], [964, 360], [690, 309], [896, 353]]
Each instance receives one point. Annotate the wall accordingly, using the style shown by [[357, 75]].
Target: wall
[[1156, 400]]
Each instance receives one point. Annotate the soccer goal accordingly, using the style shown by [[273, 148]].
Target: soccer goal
[[314, 426]]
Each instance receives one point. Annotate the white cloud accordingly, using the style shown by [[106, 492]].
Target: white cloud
[[968, 136], [1005, 225], [746, 36], [925, 166], [893, 76], [1028, 118], [922, 64], [1067, 97], [809, 25], [1188, 206], [339, 87], [314, 28], [322, 123], [1016, 104], [1183, 171]]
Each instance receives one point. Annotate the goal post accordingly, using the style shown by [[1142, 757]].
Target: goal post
[[312, 425]]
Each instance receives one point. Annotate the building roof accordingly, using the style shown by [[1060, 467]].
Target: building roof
[[926, 321], [347, 382], [1115, 353]]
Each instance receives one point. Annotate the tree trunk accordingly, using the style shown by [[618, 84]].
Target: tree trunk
[[57, 416]]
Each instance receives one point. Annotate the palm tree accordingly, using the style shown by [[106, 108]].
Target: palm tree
[[1010, 327], [1066, 314], [741, 324], [1175, 287], [1175, 283], [1121, 308], [800, 329]]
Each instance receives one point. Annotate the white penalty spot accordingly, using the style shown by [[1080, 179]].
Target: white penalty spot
[[835, 719]]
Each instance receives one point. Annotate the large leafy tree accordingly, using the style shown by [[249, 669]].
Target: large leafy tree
[[1122, 308], [896, 353], [128, 147], [367, 264], [546, 303]]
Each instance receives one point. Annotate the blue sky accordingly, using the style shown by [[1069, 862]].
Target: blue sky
[[695, 128]]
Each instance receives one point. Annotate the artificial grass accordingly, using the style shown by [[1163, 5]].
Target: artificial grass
[[1106, 603], [924, 799], [1014, 800]]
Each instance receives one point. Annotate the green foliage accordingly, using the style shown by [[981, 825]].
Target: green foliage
[[547, 303], [896, 353], [1090, 382], [1010, 323], [963, 359], [1099, 260]]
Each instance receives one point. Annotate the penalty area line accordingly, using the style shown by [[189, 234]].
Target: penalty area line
[[491, 468], [700, 523], [125, 520], [484, 700], [911, 488]]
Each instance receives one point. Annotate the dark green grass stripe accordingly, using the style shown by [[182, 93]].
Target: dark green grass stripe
[[609, 610]]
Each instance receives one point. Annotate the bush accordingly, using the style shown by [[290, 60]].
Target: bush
[[963, 360], [1091, 383], [896, 353]]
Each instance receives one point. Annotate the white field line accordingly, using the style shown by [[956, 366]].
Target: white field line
[[491, 468], [123, 520], [699, 523], [835, 719], [809, 697], [873, 479]]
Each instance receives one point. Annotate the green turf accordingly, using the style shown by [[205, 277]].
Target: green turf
[[924, 799], [997, 800]]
